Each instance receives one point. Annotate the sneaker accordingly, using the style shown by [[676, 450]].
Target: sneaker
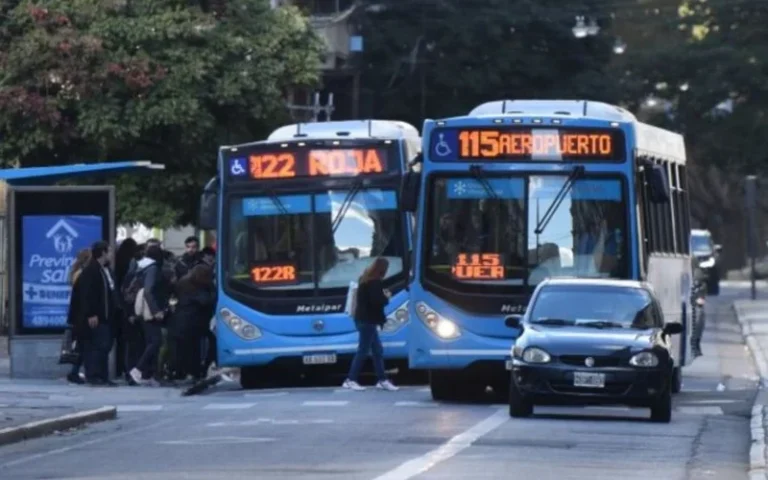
[[136, 376], [387, 385], [352, 385]]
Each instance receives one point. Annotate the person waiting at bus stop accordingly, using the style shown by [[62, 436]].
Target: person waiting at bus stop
[[369, 317]]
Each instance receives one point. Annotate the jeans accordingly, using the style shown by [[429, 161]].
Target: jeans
[[369, 342], [134, 343], [98, 343], [153, 338]]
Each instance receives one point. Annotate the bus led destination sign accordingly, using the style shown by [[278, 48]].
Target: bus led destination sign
[[478, 266], [525, 143], [270, 165]]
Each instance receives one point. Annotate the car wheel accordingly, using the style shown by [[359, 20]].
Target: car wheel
[[661, 409], [677, 380], [713, 283], [519, 406]]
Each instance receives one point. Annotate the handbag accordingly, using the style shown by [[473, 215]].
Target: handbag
[[69, 351]]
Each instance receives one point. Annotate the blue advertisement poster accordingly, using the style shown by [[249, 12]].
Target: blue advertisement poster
[[50, 245]]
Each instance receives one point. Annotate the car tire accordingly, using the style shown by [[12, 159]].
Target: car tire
[[677, 379], [519, 406], [661, 408], [440, 385]]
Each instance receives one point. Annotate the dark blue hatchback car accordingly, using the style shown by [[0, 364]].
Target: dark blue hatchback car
[[592, 341]]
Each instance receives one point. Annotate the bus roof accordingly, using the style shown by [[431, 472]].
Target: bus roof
[[352, 129], [649, 140]]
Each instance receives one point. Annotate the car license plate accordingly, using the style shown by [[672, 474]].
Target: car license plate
[[589, 380], [320, 359], [508, 364]]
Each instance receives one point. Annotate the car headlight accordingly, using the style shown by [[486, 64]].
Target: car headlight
[[242, 329], [644, 359], [396, 319], [536, 355], [708, 263], [442, 327]]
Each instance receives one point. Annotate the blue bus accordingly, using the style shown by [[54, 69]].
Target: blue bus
[[298, 217], [521, 190]]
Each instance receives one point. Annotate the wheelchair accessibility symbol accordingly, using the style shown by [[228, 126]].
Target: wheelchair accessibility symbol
[[442, 149], [237, 167]]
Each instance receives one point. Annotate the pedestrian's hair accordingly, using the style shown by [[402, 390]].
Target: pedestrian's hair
[[375, 270], [191, 239], [200, 276], [98, 249], [208, 251], [153, 241], [155, 253], [83, 257]]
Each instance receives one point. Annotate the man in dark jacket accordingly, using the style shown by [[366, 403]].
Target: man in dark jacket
[[189, 259], [98, 306]]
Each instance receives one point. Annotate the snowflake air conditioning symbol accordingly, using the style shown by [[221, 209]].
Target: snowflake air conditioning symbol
[[460, 188]]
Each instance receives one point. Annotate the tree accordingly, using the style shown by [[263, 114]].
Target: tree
[[164, 80], [433, 58]]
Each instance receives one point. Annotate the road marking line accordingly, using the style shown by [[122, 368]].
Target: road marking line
[[447, 450], [715, 402], [325, 403], [597, 407], [100, 439], [139, 408], [700, 410], [228, 406], [415, 404], [269, 421], [265, 395]]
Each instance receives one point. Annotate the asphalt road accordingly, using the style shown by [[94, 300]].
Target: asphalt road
[[326, 433]]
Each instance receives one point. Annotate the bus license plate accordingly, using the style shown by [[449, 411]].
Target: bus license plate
[[320, 359], [589, 380]]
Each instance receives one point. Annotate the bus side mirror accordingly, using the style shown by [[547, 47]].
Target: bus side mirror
[[673, 328], [513, 321], [658, 184], [209, 204], [409, 191], [718, 248]]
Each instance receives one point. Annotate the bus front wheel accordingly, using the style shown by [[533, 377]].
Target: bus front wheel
[[251, 377]]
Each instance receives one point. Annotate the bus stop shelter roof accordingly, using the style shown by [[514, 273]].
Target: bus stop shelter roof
[[43, 175]]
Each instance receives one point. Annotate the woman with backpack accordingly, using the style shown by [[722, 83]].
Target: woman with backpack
[[371, 298], [152, 306]]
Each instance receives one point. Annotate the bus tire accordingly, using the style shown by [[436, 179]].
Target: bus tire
[[251, 377], [441, 385], [677, 379]]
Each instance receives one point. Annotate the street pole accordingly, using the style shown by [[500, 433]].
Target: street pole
[[750, 193]]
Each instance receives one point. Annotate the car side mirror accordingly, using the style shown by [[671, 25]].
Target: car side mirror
[[513, 321], [718, 248], [673, 328]]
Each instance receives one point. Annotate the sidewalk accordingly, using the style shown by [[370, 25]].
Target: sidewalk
[[29, 409], [753, 317]]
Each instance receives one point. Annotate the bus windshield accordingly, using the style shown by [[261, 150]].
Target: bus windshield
[[483, 230], [289, 243]]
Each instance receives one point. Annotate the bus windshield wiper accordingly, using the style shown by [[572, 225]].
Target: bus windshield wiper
[[477, 172], [553, 321], [345, 204], [277, 202], [576, 173]]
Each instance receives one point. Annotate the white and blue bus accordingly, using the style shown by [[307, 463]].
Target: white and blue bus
[[521, 190], [298, 217]]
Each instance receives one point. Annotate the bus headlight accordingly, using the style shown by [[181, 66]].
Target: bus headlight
[[396, 319], [442, 327], [242, 329]]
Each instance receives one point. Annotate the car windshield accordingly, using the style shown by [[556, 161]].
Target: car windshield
[[701, 244], [480, 233], [270, 237], [593, 306]]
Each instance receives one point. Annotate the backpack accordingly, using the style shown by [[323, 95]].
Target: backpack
[[130, 289], [351, 304]]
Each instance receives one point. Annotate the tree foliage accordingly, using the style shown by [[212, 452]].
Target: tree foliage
[[428, 58], [163, 80]]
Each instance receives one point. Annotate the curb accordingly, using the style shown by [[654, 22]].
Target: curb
[[48, 426], [757, 450]]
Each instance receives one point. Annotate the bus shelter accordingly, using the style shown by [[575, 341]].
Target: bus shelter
[[43, 227]]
